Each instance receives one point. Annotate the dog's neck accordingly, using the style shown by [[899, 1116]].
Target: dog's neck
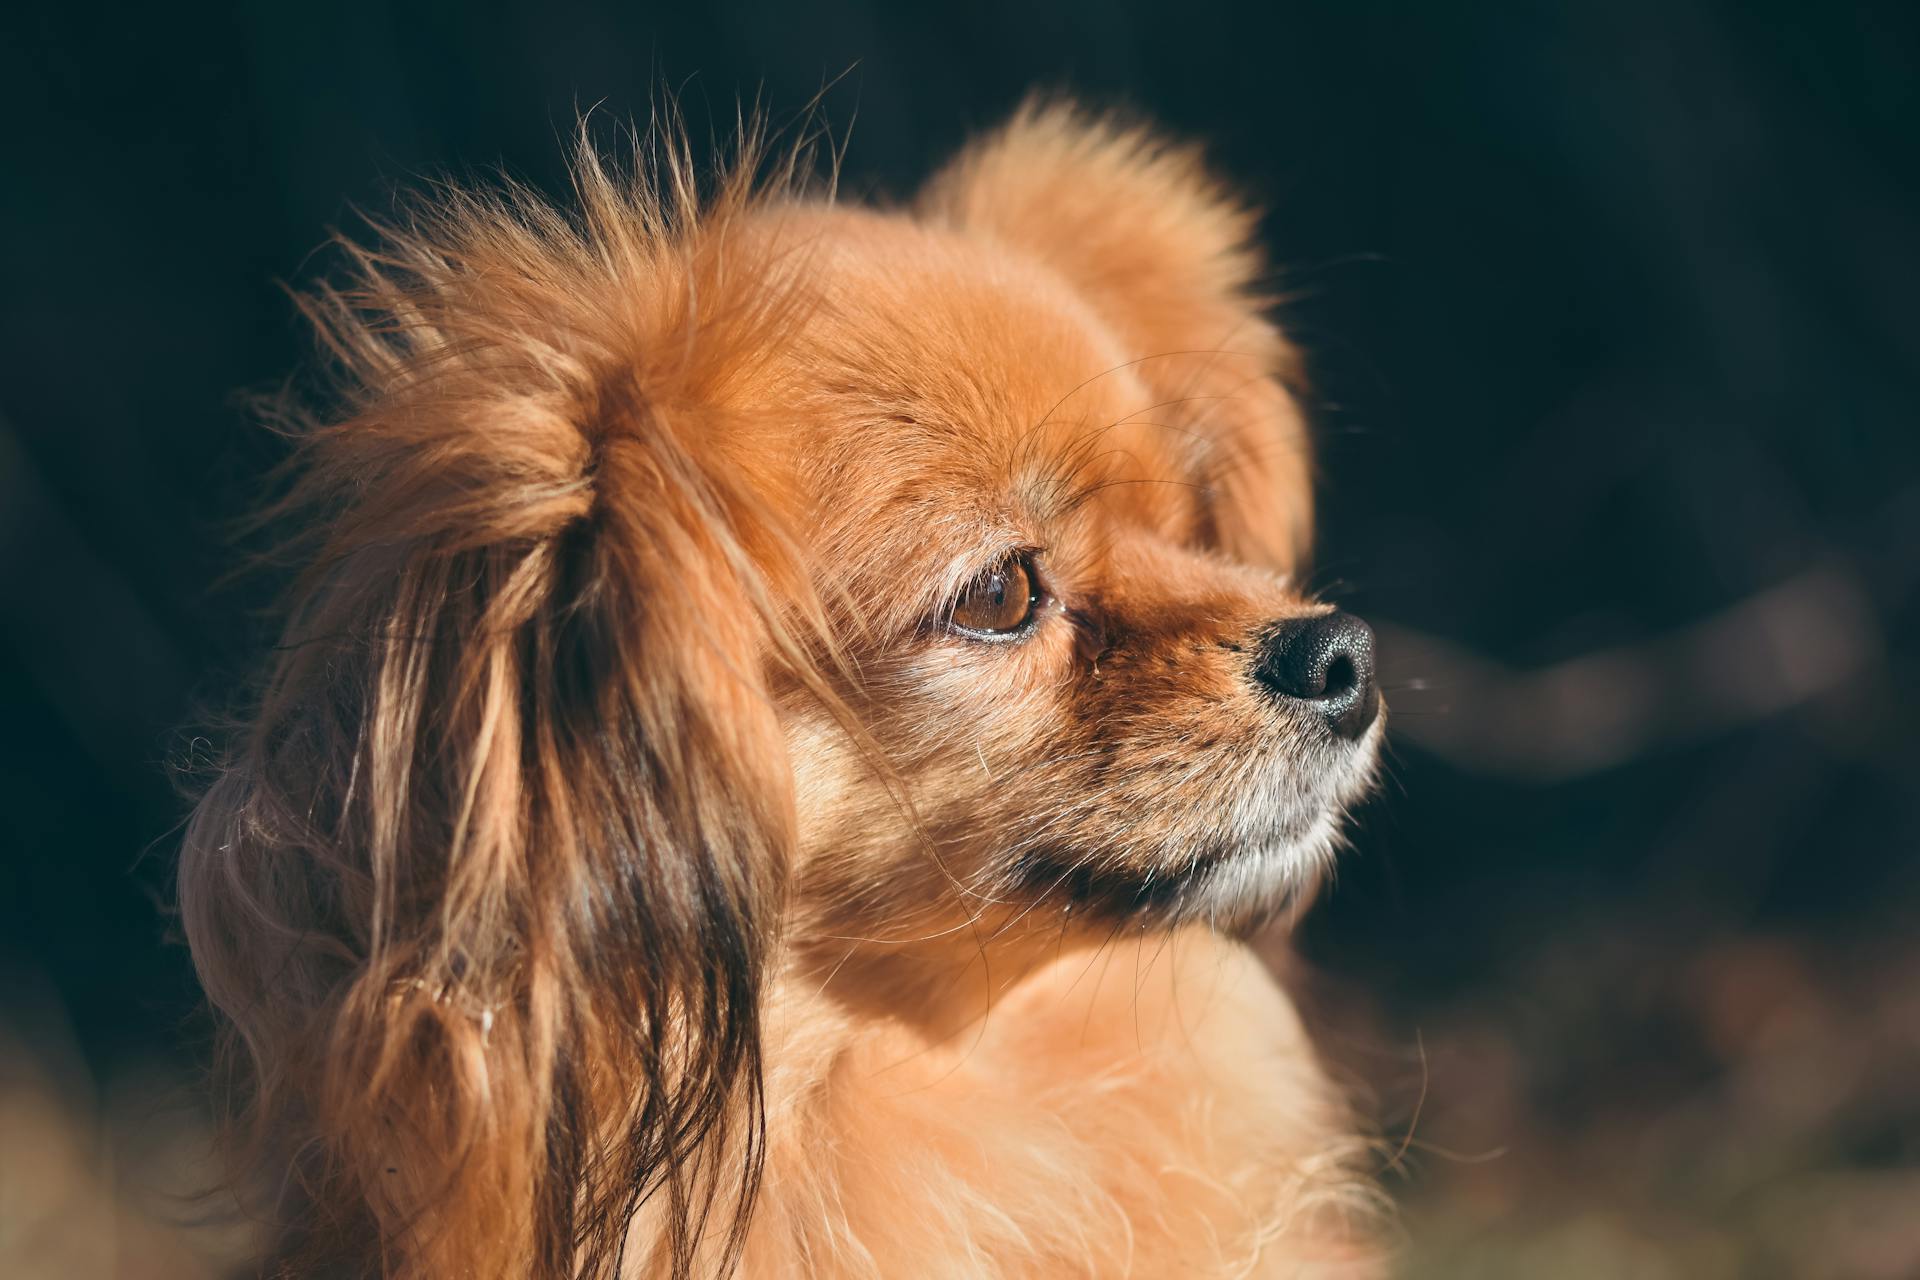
[[1086, 1103], [951, 976]]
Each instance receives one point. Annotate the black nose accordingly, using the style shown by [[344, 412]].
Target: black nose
[[1327, 663]]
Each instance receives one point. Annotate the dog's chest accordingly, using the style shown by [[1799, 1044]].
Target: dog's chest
[[1145, 1111]]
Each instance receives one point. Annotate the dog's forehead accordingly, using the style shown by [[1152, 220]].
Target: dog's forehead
[[933, 349]]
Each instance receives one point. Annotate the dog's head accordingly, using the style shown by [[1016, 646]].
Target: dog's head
[[697, 577]]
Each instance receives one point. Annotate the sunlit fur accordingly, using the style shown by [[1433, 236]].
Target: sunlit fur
[[624, 870]]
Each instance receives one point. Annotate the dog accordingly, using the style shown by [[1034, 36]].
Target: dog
[[784, 713]]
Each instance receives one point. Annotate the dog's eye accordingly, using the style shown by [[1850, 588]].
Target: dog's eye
[[999, 602]]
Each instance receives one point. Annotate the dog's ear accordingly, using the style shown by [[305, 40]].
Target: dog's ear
[[1169, 258], [487, 886]]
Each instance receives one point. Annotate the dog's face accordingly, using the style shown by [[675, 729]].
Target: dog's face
[[1096, 692], [691, 582]]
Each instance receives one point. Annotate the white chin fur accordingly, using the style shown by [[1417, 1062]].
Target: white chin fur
[[1287, 830]]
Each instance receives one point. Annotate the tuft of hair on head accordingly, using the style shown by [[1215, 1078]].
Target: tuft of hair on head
[[1171, 256], [485, 887]]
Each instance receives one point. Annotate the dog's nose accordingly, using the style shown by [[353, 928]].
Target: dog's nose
[[1326, 663]]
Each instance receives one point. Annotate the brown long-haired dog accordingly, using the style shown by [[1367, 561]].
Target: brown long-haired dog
[[784, 708]]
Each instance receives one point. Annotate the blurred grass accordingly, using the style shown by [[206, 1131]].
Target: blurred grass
[[1663, 1107], [103, 1179]]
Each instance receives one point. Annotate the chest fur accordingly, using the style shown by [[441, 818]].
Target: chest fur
[[1149, 1109]]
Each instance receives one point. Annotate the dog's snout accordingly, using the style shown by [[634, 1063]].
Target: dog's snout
[[1326, 663]]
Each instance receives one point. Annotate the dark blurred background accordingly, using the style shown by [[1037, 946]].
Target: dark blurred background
[[1612, 308]]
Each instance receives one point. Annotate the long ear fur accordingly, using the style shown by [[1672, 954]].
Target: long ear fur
[[486, 889], [1169, 256]]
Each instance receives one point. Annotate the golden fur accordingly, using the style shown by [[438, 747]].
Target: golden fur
[[627, 871]]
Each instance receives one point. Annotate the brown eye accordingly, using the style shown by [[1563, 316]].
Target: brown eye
[[999, 601]]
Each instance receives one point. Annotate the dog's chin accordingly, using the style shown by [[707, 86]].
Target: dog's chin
[[1263, 880], [1233, 887], [1264, 856]]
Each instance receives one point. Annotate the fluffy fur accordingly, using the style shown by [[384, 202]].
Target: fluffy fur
[[626, 869]]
